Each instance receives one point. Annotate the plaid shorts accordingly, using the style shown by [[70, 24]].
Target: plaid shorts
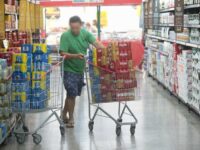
[[73, 83]]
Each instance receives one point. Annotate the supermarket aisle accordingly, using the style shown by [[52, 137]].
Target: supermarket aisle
[[163, 125]]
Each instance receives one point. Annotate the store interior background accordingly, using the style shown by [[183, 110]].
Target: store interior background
[[129, 28]]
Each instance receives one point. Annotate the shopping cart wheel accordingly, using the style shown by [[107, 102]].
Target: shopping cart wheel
[[132, 129], [62, 130], [25, 128], [118, 130], [20, 138], [37, 138], [119, 120], [91, 125]]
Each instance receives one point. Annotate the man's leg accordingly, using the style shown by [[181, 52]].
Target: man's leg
[[65, 111], [71, 105]]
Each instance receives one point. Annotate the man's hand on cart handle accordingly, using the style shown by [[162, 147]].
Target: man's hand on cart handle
[[98, 45], [68, 55]]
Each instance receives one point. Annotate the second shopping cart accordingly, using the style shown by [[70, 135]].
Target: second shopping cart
[[111, 78]]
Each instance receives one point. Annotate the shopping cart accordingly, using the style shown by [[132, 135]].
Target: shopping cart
[[104, 86], [45, 100]]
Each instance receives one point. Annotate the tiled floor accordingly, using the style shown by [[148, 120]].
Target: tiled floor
[[164, 124]]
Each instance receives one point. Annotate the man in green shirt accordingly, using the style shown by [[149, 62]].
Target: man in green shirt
[[73, 46]]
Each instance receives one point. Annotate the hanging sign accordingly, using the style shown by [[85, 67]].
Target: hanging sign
[[87, 1], [179, 15], [104, 19]]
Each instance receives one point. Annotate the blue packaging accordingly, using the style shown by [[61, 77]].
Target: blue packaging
[[20, 76], [49, 49], [41, 66], [26, 48], [29, 63], [41, 58]]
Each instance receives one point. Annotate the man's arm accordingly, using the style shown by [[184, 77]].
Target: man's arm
[[91, 39], [70, 56], [98, 45]]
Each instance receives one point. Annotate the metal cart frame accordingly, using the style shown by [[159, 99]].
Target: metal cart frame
[[121, 111]]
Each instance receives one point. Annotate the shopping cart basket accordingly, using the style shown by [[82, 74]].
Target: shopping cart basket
[[105, 86], [46, 96]]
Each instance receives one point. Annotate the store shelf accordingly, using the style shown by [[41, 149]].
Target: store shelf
[[192, 26], [164, 25], [166, 10], [185, 7], [10, 30], [172, 25], [174, 41], [159, 51], [192, 6], [7, 13]]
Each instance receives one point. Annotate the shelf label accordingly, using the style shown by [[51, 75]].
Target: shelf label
[[179, 15]]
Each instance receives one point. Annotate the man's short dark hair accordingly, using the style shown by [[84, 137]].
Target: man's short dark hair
[[75, 19]]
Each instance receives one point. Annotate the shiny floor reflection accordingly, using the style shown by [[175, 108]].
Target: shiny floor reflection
[[164, 124]]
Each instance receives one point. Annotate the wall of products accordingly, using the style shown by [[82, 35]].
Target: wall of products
[[173, 57]]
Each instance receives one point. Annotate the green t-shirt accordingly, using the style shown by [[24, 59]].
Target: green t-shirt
[[73, 44]]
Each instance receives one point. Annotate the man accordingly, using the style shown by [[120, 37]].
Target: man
[[73, 46]]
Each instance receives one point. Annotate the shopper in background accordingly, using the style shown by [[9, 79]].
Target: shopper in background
[[73, 46]]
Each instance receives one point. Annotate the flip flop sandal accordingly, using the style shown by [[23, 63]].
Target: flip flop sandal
[[70, 124], [64, 119]]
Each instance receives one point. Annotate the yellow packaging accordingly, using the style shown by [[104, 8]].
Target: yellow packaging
[[3, 50], [32, 14], [42, 47], [19, 95], [22, 56], [104, 60], [104, 52], [94, 61], [94, 53], [39, 75], [96, 71], [39, 85], [49, 60], [19, 67]]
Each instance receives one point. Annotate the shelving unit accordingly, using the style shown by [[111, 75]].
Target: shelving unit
[[171, 47], [18, 27], [174, 41]]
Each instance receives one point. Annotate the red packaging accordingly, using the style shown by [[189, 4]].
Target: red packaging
[[14, 50], [8, 57]]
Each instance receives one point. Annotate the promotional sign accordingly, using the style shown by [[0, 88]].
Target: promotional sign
[[179, 15], [53, 3], [104, 19]]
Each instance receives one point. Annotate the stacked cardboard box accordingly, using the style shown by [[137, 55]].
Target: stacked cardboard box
[[195, 99], [21, 80], [114, 78], [184, 71], [31, 77], [40, 76], [5, 111]]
